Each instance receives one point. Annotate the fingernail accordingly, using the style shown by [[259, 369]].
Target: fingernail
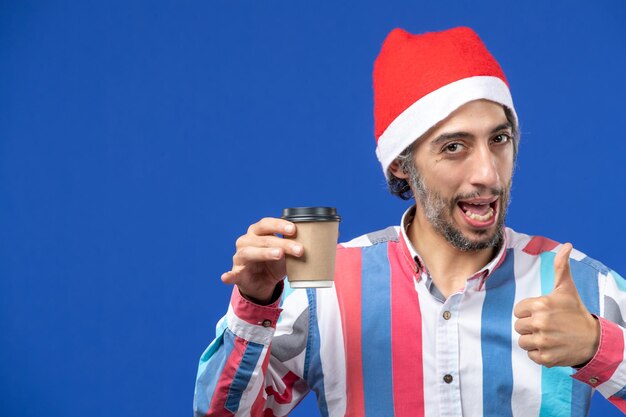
[[296, 249], [289, 228], [275, 253]]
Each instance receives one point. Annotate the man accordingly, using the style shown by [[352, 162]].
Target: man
[[448, 314]]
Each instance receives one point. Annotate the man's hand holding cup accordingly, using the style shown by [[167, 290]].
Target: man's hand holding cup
[[259, 260]]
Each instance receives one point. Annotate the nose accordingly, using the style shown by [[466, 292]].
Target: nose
[[484, 168]]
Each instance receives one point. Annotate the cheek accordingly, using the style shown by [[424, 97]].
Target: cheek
[[445, 182], [449, 173], [505, 169]]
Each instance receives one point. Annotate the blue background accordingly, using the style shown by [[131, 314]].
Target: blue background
[[139, 139]]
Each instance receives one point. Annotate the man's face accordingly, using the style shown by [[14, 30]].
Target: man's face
[[462, 174]]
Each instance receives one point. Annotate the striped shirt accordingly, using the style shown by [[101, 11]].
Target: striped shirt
[[384, 341]]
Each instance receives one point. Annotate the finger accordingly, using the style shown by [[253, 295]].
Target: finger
[[270, 226], [524, 326], [229, 277], [232, 276], [562, 273], [244, 257], [524, 308], [527, 342], [249, 255], [536, 356], [289, 246]]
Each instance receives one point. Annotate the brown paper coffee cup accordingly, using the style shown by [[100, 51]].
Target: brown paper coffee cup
[[317, 230]]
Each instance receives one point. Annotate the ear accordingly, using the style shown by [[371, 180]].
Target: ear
[[395, 169]]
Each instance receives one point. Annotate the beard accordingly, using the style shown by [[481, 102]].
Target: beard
[[438, 211]]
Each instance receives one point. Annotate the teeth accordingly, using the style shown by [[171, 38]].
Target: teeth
[[478, 217]]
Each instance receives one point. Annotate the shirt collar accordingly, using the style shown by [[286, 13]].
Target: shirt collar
[[410, 251]]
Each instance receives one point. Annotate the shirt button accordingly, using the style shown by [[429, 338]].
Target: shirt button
[[266, 323], [593, 380], [447, 378], [447, 315]]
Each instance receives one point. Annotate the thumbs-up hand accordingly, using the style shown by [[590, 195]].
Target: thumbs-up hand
[[557, 329]]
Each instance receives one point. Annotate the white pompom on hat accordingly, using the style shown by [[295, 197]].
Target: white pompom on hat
[[419, 80]]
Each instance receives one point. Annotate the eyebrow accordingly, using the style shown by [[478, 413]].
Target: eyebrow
[[460, 135]]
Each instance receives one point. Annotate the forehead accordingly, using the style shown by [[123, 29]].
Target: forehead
[[475, 118]]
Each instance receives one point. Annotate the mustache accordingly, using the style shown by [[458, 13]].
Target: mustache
[[494, 192]]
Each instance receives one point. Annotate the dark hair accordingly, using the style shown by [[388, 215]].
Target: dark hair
[[400, 187]]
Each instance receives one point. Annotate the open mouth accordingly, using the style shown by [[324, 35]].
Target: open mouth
[[480, 212]]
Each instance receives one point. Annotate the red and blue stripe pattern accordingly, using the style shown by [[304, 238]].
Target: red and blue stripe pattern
[[496, 340], [366, 347], [349, 294], [382, 331], [406, 337]]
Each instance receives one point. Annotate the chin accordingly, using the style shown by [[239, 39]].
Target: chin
[[474, 240]]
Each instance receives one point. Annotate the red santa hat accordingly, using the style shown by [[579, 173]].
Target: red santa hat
[[420, 79]]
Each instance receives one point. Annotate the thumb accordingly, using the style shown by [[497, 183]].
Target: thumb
[[562, 274]]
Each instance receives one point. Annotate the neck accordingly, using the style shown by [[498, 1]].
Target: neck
[[448, 266]]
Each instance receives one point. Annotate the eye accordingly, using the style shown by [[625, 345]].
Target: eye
[[453, 147], [502, 138]]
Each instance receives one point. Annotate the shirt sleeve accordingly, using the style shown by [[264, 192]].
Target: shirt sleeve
[[255, 363], [606, 371]]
